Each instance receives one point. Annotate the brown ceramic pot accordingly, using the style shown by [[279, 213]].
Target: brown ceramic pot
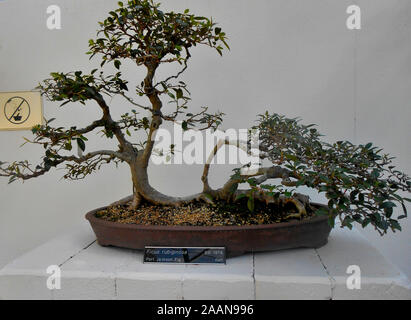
[[309, 233]]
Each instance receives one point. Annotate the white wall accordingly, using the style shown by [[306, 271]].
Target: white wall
[[291, 57]]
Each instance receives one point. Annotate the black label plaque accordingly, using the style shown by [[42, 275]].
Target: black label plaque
[[187, 255]]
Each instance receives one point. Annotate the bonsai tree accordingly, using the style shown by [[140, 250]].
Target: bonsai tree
[[359, 181]]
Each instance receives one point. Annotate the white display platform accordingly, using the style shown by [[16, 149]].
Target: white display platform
[[90, 271]]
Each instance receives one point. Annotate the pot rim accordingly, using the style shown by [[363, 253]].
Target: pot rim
[[90, 216]]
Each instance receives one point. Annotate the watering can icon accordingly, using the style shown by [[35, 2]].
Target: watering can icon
[[17, 109]]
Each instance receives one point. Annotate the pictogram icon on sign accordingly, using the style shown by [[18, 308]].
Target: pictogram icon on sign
[[17, 110], [20, 110]]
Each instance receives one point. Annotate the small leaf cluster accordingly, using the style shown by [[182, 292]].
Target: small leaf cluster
[[79, 87], [274, 191], [140, 31]]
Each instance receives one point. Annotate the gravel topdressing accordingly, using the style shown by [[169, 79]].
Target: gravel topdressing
[[200, 214]]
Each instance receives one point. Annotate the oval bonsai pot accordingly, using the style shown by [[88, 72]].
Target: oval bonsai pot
[[309, 233]]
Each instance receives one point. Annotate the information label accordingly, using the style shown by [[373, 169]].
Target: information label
[[20, 110], [187, 255]]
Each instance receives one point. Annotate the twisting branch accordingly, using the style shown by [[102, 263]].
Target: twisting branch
[[187, 57], [113, 126], [24, 171], [79, 168], [274, 172], [90, 155], [237, 143], [134, 103]]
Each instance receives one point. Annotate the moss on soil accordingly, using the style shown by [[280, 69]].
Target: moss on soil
[[201, 214]]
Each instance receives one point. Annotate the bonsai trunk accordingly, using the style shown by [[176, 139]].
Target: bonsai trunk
[[139, 163], [143, 190]]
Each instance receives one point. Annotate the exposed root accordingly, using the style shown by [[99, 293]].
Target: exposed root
[[299, 201], [305, 200], [206, 198], [136, 201], [300, 207], [122, 201]]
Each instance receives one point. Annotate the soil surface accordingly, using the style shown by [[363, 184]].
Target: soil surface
[[201, 214]]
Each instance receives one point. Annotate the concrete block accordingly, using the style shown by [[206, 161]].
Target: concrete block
[[291, 274], [379, 278], [222, 282], [90, 271]]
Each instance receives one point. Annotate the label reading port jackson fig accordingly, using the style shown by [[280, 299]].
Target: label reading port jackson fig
[[186, 255]]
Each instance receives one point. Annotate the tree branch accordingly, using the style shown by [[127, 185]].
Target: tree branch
[[90, 155], [237, 143], [111, 124]]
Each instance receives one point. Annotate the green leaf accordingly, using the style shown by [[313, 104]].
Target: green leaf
[[322, 211], [179, 93], [233, 188], [388, 204], [291, 157], [240, 196], [347, 222], [395, 225], [365, 222], [331, 221], [353, 195], [361, 198], [12, 179], [68, 146], [250, 203], [64, 103], [81, 144], [117, 64], [208, 196]]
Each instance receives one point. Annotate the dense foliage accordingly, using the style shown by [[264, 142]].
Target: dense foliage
[[360, 182]]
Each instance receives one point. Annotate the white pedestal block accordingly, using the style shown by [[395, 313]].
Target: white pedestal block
[[89, 271]]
